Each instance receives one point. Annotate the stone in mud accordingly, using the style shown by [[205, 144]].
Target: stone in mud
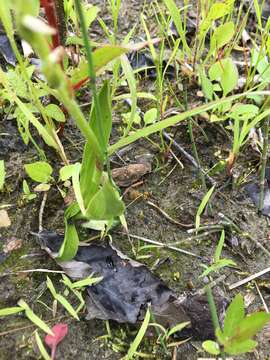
[[128, 287]]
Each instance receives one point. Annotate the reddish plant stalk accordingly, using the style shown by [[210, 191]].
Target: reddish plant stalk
[[51, 14]]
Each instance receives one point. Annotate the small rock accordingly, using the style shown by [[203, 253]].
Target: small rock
[[12, 244], [4, 219]]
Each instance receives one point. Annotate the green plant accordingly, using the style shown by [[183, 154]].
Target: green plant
[[236, 336], [218, 263], [2, 174]]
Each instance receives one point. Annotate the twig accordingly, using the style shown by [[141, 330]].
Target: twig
[[41, 211], [188, 156], [196, 237], [31, 271], [260, 294], [176, 158], [169, 173], [248, 279], [168, 216], [154, 242]]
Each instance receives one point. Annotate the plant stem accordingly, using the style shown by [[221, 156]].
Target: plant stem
[[265, 129], [213, 311], [91, 69]]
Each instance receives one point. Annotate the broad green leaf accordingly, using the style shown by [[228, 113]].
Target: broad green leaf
[[260, 62], [55, 112], [39, 171], [237, 348], [150, 116], [219, 247], [34, 318], [101, 57], [211, 347], [105, 204], [219, 167], [216, 11], [135, 344], [17, 83], [10, 311], [250, 325], [225, 71], [202, 206], [71, 241], [2, 174], [221, 36], [66, 172], [234, 314], [244, 111], [90, 14], [207, 86], [91, 173]]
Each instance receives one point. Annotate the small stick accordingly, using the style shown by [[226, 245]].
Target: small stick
[[248, 279], [260, 294], [168, 216], [188, 156], [169, 173], [31, 271], [154, 242], [176, 158], [196, 237], [41, 211]]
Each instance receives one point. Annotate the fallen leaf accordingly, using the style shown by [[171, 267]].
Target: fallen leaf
[[12, 244], [4, 219], [60, 331]]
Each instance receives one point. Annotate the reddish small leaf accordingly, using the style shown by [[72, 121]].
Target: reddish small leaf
[[60, 331]]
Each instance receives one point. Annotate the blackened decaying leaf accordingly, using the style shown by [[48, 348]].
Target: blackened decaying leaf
[[128, 287], [7, 56], [142, 60], [253, 191]]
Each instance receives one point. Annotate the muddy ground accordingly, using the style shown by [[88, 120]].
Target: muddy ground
[[178, 194]]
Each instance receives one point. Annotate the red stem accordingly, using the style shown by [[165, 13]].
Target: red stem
[[51, 15]]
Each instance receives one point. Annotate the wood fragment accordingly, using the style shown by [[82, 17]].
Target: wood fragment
[[248, 279]]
